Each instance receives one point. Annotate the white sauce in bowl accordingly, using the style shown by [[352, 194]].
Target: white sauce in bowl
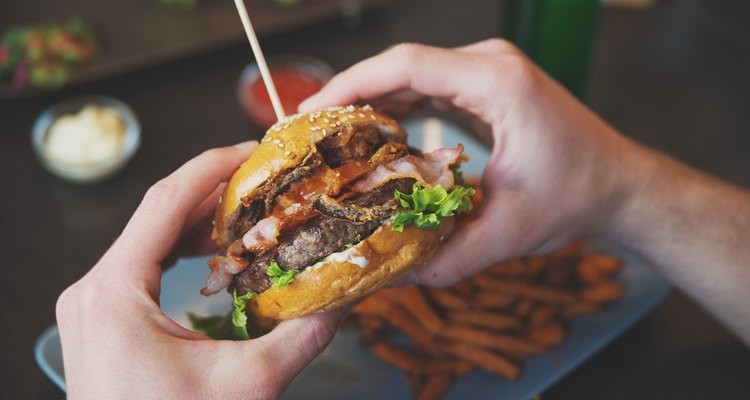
[[92, 136]]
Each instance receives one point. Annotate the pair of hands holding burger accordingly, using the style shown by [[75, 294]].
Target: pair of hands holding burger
[[308, 219]]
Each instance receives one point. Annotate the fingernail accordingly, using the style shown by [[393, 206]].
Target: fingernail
[[246, 145], [305, 105]]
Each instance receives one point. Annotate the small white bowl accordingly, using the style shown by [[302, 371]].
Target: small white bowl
[[88, 173]]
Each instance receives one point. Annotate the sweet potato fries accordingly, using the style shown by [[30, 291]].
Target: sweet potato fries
[[492, 321]]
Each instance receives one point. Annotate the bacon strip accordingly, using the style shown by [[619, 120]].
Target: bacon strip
[[222, 270], [262, 236], [430, 170]]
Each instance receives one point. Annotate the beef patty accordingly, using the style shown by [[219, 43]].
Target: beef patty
[[302, 246]]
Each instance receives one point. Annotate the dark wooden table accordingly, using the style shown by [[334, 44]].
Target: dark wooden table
[[675, 77]]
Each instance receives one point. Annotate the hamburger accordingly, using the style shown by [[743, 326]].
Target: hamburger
[[331, 206]]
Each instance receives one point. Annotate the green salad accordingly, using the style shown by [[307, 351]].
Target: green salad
[[45, 56]]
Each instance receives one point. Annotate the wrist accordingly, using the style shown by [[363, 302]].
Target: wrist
[[637, 179], [653, 191]]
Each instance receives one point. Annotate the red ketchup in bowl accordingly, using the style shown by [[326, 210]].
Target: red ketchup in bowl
[[293, 86]]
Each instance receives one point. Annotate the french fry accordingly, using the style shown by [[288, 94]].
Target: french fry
[[581, 307], [531, 291], [464, 288], [434, 387], [511, 269], [484, 358], [549, 335], [394, 315], [535, 266], [409, 361], [607, 264], [588, 272], [414, 301], [559, 273], [399, 357], [372, 323], [491, 340], [524, 307], [462, 367], [382, 294], [603, 292], [448, 300], [542, 314], [493, 299], [484, 319], [370, 328], [372, 305], [512, 311], [572, 249]]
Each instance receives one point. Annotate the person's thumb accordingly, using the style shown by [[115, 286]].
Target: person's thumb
[[293, 344]]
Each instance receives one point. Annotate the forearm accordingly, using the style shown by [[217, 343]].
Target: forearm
[[695, 229]]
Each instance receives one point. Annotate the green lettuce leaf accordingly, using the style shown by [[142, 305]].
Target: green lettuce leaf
[[425, 208], [217, 327], [232, 326], [279, 277], [239, 318]]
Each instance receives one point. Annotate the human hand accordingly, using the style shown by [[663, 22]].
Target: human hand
[[117, 343], [556, 170]]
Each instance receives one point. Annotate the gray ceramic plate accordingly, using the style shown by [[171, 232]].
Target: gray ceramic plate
[[347, 370]]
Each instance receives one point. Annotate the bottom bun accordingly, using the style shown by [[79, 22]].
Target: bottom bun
[[333, 282]]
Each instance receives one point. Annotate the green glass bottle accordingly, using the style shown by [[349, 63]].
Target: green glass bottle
[[557, 34]]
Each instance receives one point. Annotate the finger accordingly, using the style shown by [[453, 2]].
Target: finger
[[429, 71], [160, 219], [295, 343], [205, 211], [395, 69], [198, 243], [195, 239], [401, 104], [490, 46], [399, 111], [405, 96], [477, 245]]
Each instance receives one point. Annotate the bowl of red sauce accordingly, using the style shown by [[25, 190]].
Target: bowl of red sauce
[[296, 78]]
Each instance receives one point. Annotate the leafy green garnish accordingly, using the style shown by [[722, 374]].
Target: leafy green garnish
[[232, 326], [45, 55], [216, 327], [425, 208], [279, 277], [239, 319]]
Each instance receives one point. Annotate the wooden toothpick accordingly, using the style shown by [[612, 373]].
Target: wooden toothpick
[[260, 59], [432, 135]]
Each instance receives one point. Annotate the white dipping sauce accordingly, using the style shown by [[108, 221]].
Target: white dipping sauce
[[92, 136], [350, 255]]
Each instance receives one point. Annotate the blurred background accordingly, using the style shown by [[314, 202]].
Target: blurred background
[[673, 74]]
